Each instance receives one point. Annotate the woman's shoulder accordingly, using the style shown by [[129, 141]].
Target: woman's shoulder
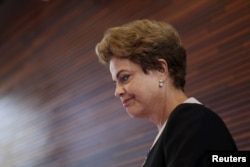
[[193, 111], [191, 107]]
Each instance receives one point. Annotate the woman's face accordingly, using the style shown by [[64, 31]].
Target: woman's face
[[138, 92]]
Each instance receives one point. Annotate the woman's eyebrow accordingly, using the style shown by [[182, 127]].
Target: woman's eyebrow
[[117, 75], [119, 72]]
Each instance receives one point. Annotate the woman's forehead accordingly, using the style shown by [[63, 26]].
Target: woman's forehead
[[118, 65]]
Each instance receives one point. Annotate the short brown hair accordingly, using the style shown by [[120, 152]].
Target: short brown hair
[[145, 42]]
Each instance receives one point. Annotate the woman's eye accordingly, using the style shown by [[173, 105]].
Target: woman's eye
[[125, 78]]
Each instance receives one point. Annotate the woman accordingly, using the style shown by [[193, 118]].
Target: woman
[[148, 65]]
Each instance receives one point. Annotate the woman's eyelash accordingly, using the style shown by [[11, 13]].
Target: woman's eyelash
[[125, 77]]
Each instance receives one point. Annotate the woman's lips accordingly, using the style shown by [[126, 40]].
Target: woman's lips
[[126, 101]]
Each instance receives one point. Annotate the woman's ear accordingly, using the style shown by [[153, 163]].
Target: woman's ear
[[164, 68]]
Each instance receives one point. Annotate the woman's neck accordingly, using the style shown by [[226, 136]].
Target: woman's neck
[[172, 100]]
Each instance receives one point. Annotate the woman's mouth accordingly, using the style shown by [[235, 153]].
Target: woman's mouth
[[126, 102]]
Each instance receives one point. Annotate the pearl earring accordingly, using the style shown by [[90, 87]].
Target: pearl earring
[[161, 83]]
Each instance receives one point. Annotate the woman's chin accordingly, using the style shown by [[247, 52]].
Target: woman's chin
[[135, 113]]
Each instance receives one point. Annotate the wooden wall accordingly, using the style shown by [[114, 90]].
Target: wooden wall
[[57, 107]]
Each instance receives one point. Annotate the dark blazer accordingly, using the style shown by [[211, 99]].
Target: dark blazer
[[191, 131]]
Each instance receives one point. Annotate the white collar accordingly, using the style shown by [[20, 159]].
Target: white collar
[[192, 100]]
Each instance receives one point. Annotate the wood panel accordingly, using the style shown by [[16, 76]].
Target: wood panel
[[57, 107]]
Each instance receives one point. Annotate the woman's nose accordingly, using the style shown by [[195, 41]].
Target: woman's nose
[[119, 91]]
